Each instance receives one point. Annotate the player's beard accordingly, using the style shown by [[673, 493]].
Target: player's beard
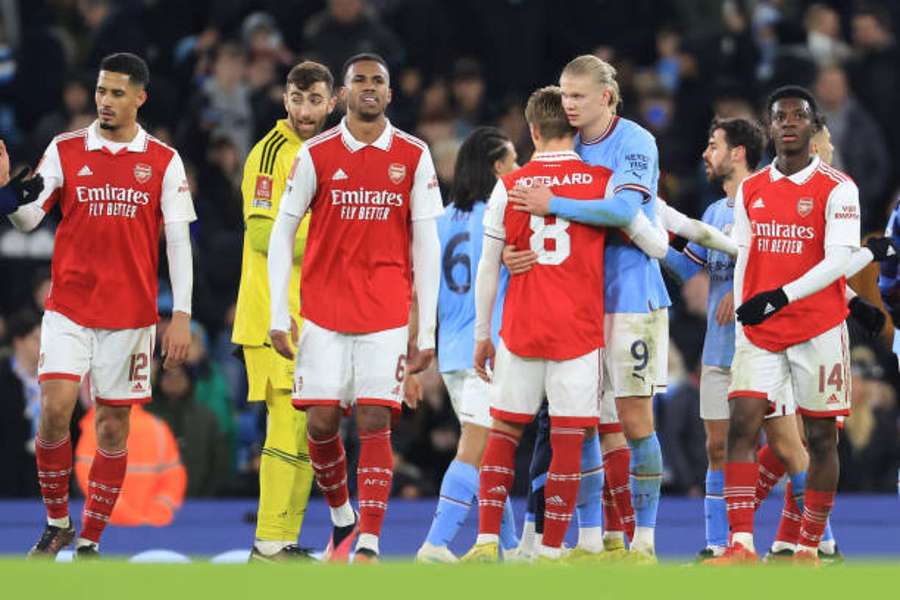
[[363, 114], [108, 126]]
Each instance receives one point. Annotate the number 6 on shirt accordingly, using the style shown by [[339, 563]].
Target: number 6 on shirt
[[556, 231]]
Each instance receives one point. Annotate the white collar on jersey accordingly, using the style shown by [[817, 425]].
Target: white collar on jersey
[[96, 142], [556, 156], [382, 143], [800, 176]]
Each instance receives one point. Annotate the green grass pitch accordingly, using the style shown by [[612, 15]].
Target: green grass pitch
[[202, 581]]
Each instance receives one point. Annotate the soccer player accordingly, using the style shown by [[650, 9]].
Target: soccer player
[[552, 331], [116, 185], [735, 147], [796, 225], [889, 278], [636, 321], [374, 200], [486, 154], [285, 474]]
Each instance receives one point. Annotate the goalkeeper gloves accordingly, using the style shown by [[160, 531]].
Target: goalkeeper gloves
[[761, 306], [20, 191], [867, 315]]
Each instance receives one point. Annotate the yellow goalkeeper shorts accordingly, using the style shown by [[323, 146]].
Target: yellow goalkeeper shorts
[[266, 367]]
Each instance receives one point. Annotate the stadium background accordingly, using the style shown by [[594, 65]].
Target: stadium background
[[217, 69]]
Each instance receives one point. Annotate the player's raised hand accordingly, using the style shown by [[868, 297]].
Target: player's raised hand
[[725, 309], [534, 200], [484, 358], [518, 261], [761, 306], [282, 343], [177, 340], [412, 391]]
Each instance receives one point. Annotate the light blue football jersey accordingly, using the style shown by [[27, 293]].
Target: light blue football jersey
[[718, 346], [634, 282], [461, 234]]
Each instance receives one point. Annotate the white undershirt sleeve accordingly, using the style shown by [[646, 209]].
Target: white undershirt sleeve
[[181, 265], [426, 258], [298, 194], [176, 202], [649, 237], [486, 282], [823, 274], [859, 261], [696, 231]]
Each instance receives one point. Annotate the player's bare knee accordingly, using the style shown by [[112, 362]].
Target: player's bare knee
[[715, 451], [54, 423], [820, 438], [373, 418], [112, 426]]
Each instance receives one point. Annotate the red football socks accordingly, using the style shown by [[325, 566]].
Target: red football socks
[[816, 508], [104, 484], [54, 466], [330, 466], [771, 469], [617, 463], [496, 480], [373, 479], [740, 495], [563, 478]]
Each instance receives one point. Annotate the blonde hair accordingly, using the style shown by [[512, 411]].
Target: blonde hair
[[600, 71]]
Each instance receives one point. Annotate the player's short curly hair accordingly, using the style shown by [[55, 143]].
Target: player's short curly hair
[[545, 112]]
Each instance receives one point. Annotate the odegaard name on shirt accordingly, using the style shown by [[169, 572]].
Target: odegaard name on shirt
[[555, 180]]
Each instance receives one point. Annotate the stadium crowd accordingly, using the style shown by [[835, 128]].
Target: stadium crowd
[[218, 71]]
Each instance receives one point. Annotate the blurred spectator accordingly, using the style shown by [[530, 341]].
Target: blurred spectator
[[868, 443], [210, 387], [823, 35], [221, 107], [345, 28], [263, 39], [112, 27], [468, 88], [875, 76], [77, 99], [20, 400], [848, 122], [200, 442], [155, 481]]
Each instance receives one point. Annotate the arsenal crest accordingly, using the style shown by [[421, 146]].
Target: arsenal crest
[[142, 172], [804, 206], [397, 172]]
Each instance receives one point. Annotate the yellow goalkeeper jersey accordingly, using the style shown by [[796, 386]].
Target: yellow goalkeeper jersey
[[265, 174]]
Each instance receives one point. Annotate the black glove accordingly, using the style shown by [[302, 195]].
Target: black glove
[[761, 306], [19, 190], [679, 243], [870, 318], [882, 248]]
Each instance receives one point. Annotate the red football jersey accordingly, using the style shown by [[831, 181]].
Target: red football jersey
[[363, 197], [784, 224], [555, 310], [106, 251]]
